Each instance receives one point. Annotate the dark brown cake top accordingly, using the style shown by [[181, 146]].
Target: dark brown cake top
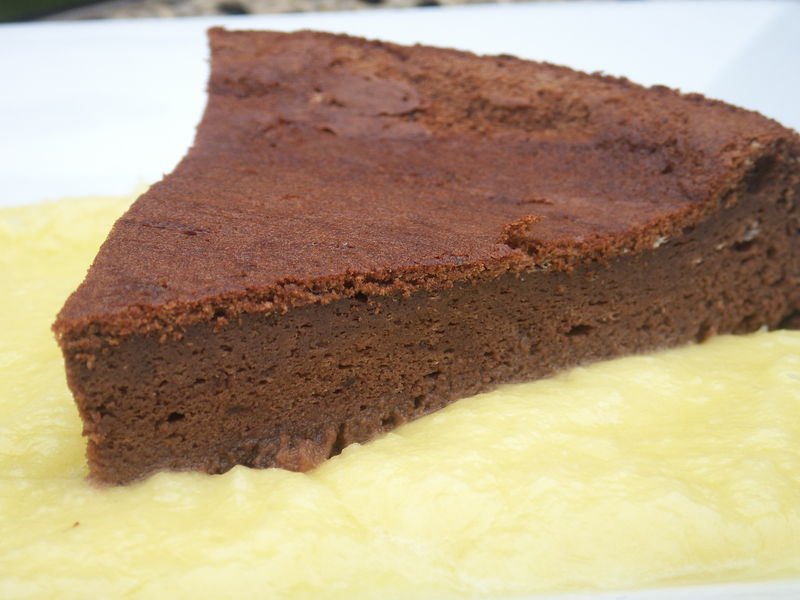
[[328, 165]]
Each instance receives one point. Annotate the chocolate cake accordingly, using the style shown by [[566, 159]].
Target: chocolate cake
[[364, 232]]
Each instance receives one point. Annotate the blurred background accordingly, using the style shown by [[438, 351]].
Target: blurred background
[[25, 10]]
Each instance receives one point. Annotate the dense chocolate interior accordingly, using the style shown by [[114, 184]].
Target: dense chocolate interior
[[364, 232], [290, 390]]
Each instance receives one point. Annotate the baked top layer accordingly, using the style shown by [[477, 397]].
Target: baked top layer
[[329, 166]]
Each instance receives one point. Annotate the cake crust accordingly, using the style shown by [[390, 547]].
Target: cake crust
[[350, 211]]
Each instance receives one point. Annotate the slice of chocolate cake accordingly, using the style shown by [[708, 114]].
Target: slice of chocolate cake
[[365, 232]]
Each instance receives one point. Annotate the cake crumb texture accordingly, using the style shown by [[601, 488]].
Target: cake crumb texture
[[364, 232]]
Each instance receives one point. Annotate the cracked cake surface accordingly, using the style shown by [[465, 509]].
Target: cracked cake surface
[[340, 188]]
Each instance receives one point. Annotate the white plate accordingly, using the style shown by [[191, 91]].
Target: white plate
[[100, 107]]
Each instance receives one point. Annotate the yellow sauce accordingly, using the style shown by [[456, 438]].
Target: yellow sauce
[[675, 468]]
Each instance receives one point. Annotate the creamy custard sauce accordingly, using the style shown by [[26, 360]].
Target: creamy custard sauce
[[680, 467]]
